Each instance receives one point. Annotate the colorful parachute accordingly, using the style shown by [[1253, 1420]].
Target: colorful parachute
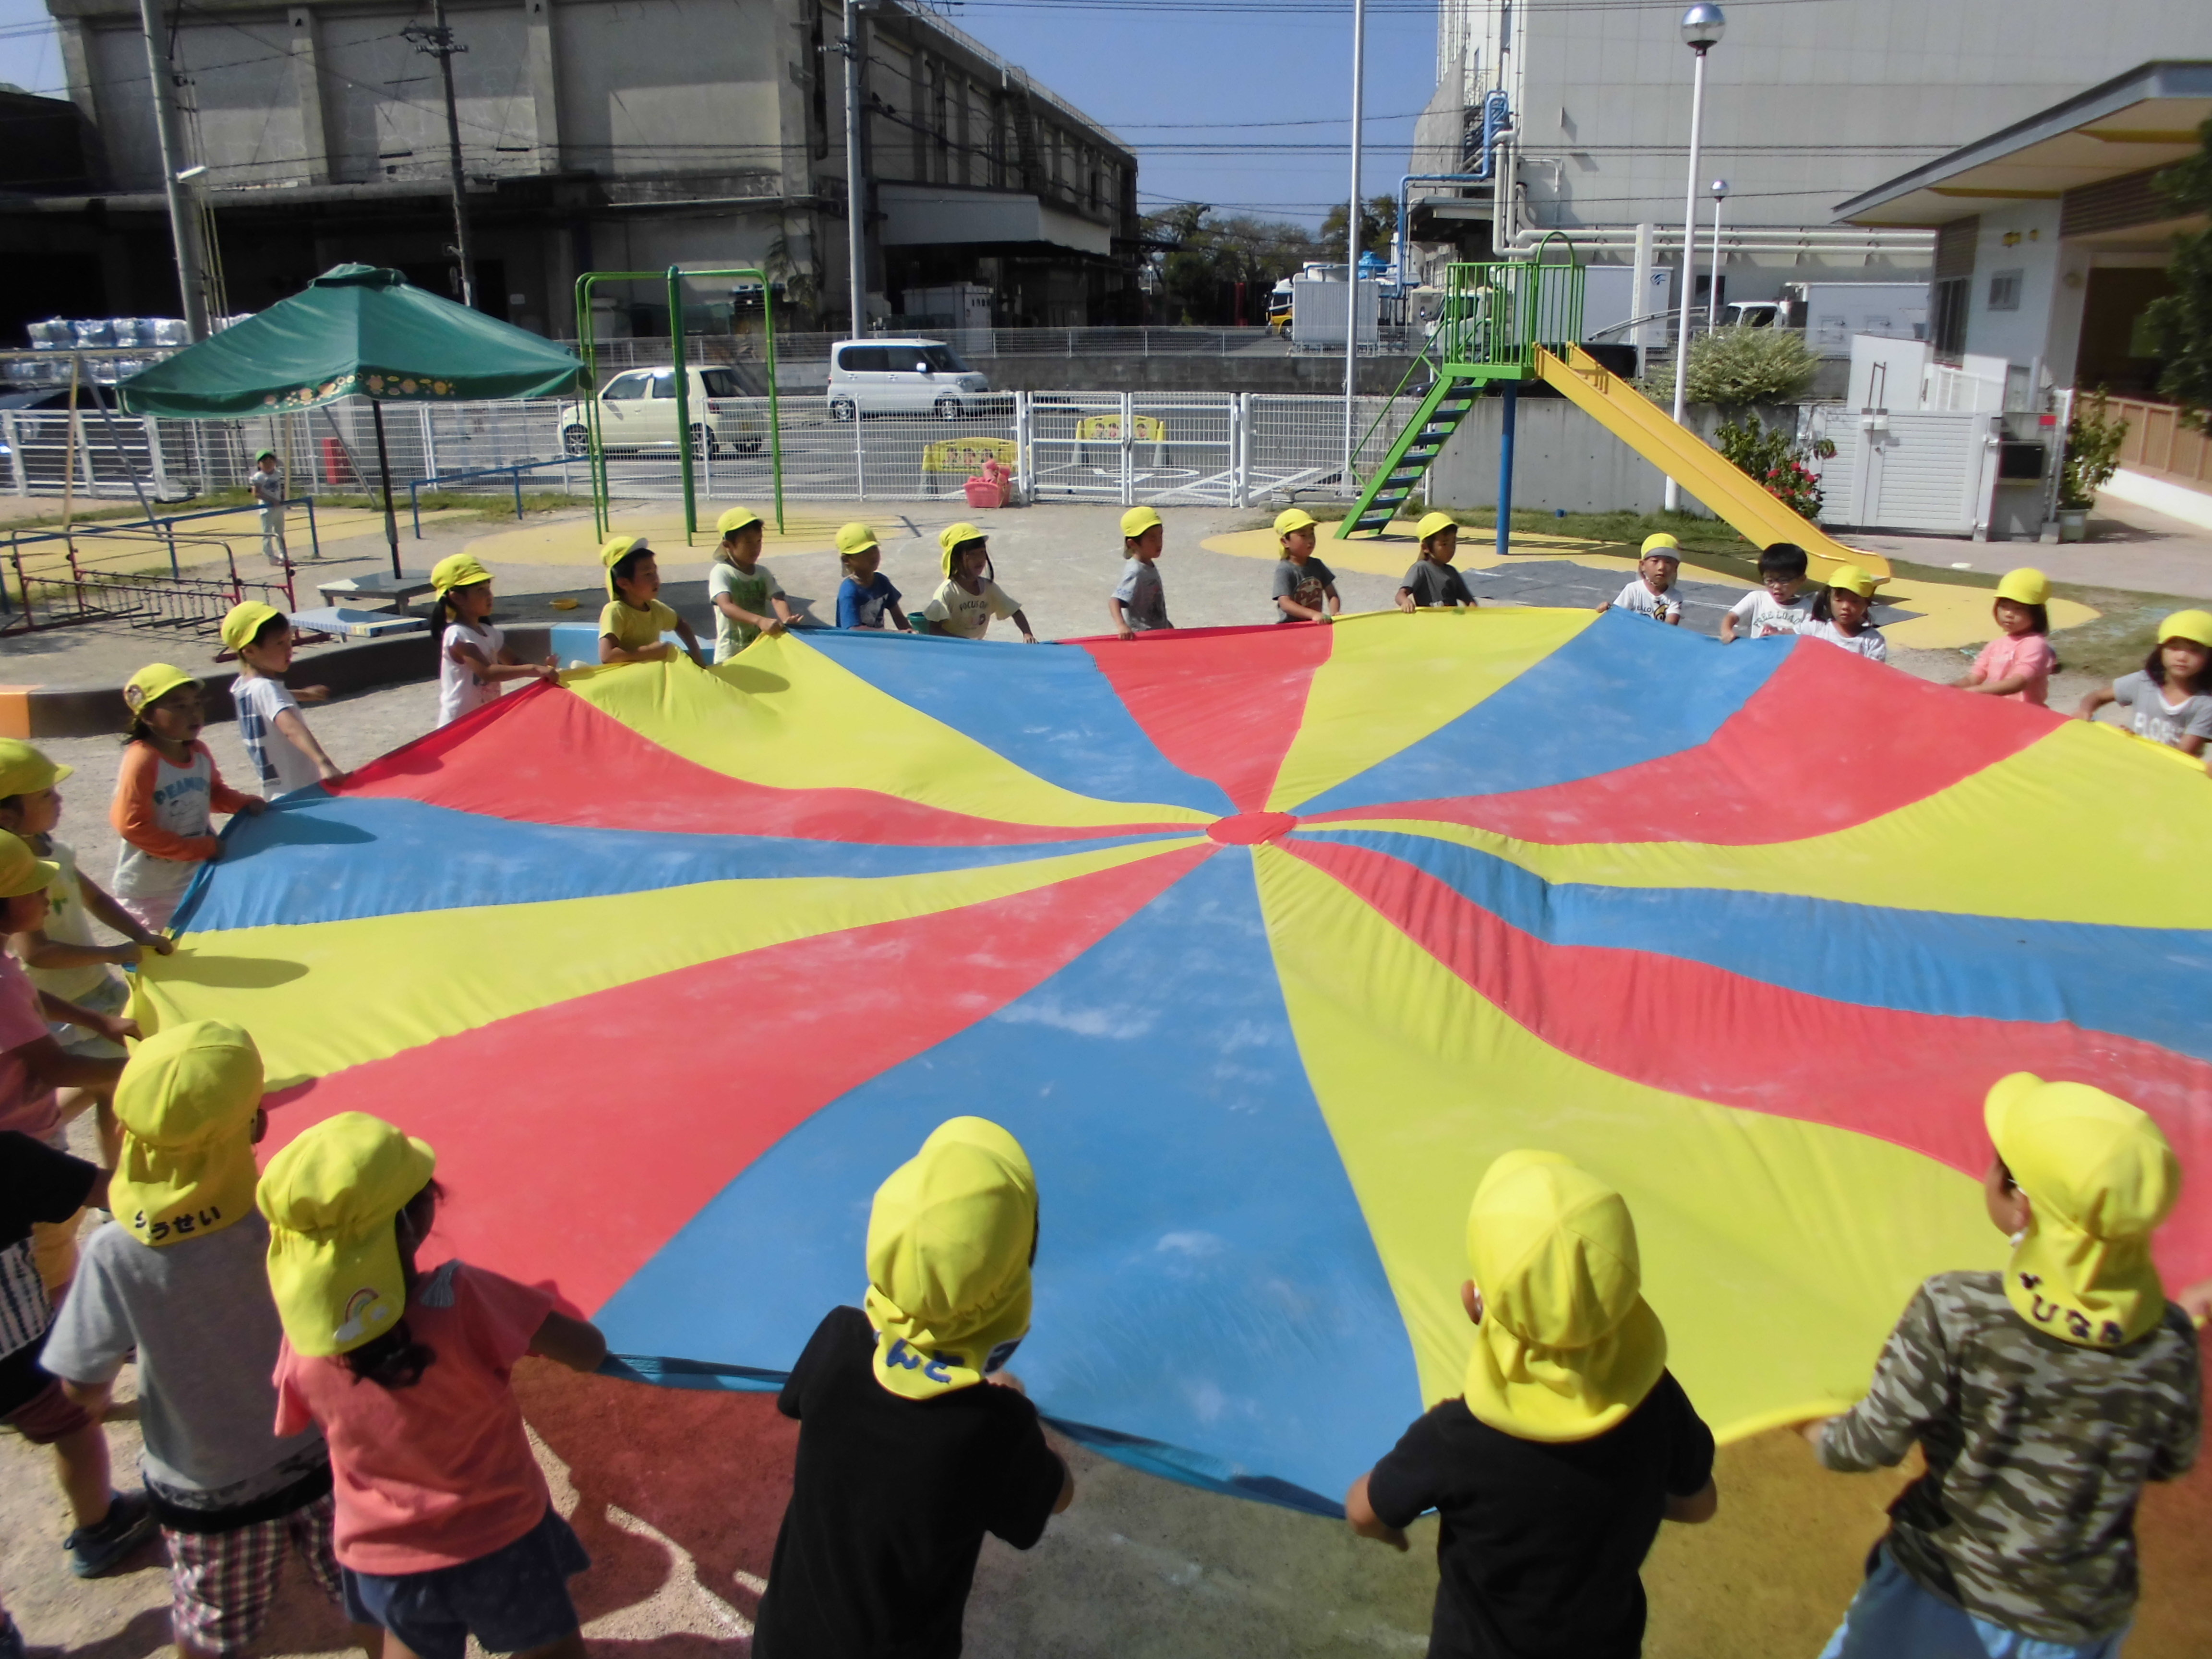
[[1265, 942]]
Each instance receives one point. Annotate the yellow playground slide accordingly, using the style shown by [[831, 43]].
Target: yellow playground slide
[[1702, 471]]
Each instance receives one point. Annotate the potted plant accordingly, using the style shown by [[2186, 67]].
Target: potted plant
[[2093, 455]]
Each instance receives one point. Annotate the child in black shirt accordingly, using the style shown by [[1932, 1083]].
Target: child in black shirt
[[1550, 1476], [38, 1183], [913, 1442], [1433, 581]]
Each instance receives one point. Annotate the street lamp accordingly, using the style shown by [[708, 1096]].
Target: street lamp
[[1719, 188], [1702, 28]]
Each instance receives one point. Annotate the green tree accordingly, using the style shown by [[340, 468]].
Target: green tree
[[1198, 259], [1736, 366], [2181, 322], [1378, 228]]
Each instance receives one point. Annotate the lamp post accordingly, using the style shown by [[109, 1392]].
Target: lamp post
[[1713, 288], [1702, 26]]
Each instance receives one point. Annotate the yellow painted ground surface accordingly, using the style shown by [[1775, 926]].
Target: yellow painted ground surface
[[1947, 616], [111, 546], [572, 541]]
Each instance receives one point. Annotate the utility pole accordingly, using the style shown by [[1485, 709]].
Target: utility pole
[[856, 243], [184, 220], [1352, 252], [436, 38]]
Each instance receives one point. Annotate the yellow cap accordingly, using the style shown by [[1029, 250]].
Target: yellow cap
[[1567, 1346], [950, 1239], [457, 570], [1136, 521], [243, 620], [1433, 522], [1851, 580], [2099, 1177], [22, 870], [2187, 625], [736, 519], [2025, 586], [186, 1100], [25, 771], [1294, 518], [1660, 545], [613, 552], [153, 683], [952, 537], [856, 538], [333, 1253]]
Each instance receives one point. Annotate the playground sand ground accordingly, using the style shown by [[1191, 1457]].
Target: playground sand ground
[[678, 1495]]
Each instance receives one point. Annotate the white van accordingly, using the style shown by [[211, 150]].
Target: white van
[[637, 410], [903, 377]]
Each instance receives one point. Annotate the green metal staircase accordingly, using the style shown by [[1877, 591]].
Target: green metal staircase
[[1439, 416], [1495, 318]]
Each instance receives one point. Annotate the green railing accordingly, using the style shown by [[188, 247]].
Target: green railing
[[675, 278], [1496, 315]]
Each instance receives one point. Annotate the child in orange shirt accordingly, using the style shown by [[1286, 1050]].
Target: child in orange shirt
[[164, 792]]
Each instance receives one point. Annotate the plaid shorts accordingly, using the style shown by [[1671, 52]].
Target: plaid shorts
[[221, 1584]]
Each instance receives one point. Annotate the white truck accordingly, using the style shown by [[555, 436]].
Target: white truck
[[1830, 314]]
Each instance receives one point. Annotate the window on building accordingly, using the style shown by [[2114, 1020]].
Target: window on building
[[1947, 316], [2004, 289]]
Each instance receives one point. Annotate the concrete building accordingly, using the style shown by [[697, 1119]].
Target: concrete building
[[595, 134], [2051, 240], [1805, 104]]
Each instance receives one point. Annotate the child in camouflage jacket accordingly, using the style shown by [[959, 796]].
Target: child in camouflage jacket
[[2044, 1397]]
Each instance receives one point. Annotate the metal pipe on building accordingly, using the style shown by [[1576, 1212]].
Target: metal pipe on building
[[1352, 235], [184, 222], [856, 231]]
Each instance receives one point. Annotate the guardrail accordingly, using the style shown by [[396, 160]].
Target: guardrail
[[78, 587], [415, 486]]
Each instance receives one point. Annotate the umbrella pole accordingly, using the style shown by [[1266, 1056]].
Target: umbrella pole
[[384, 468]]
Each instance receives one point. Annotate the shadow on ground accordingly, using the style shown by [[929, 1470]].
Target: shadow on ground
[[678, 1495]]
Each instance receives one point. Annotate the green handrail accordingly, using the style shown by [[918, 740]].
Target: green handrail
[[586, 347]]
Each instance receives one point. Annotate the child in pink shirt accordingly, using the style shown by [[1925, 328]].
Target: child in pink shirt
[[445, 1528], [2018, 663]]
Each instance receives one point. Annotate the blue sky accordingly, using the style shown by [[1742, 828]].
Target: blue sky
[[1184, 86]]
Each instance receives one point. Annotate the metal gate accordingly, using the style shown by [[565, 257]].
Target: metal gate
[[1935, 473]]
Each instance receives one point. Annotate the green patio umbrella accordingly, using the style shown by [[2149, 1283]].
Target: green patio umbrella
[[355, 330]]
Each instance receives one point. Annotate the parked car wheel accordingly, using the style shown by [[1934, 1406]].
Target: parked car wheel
[[703, 447], [575, 441], [841, 409], [749, 446], [948, 409]]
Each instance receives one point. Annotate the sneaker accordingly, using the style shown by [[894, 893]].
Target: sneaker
[[101, 1548], [11, 1639]]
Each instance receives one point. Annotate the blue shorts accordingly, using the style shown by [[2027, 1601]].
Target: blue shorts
[[1892, 1617], [513, 1600]]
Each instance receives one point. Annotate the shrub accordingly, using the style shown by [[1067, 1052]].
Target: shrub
[[1776, 460], [1737, 365], [2092, 451]]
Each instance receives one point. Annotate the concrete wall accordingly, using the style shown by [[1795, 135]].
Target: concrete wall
[[1563, 460]]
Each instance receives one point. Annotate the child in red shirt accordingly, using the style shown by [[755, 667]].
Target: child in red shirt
[[445, 1527]]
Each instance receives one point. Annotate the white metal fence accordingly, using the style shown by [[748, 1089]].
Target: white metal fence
[[1236, 449]]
